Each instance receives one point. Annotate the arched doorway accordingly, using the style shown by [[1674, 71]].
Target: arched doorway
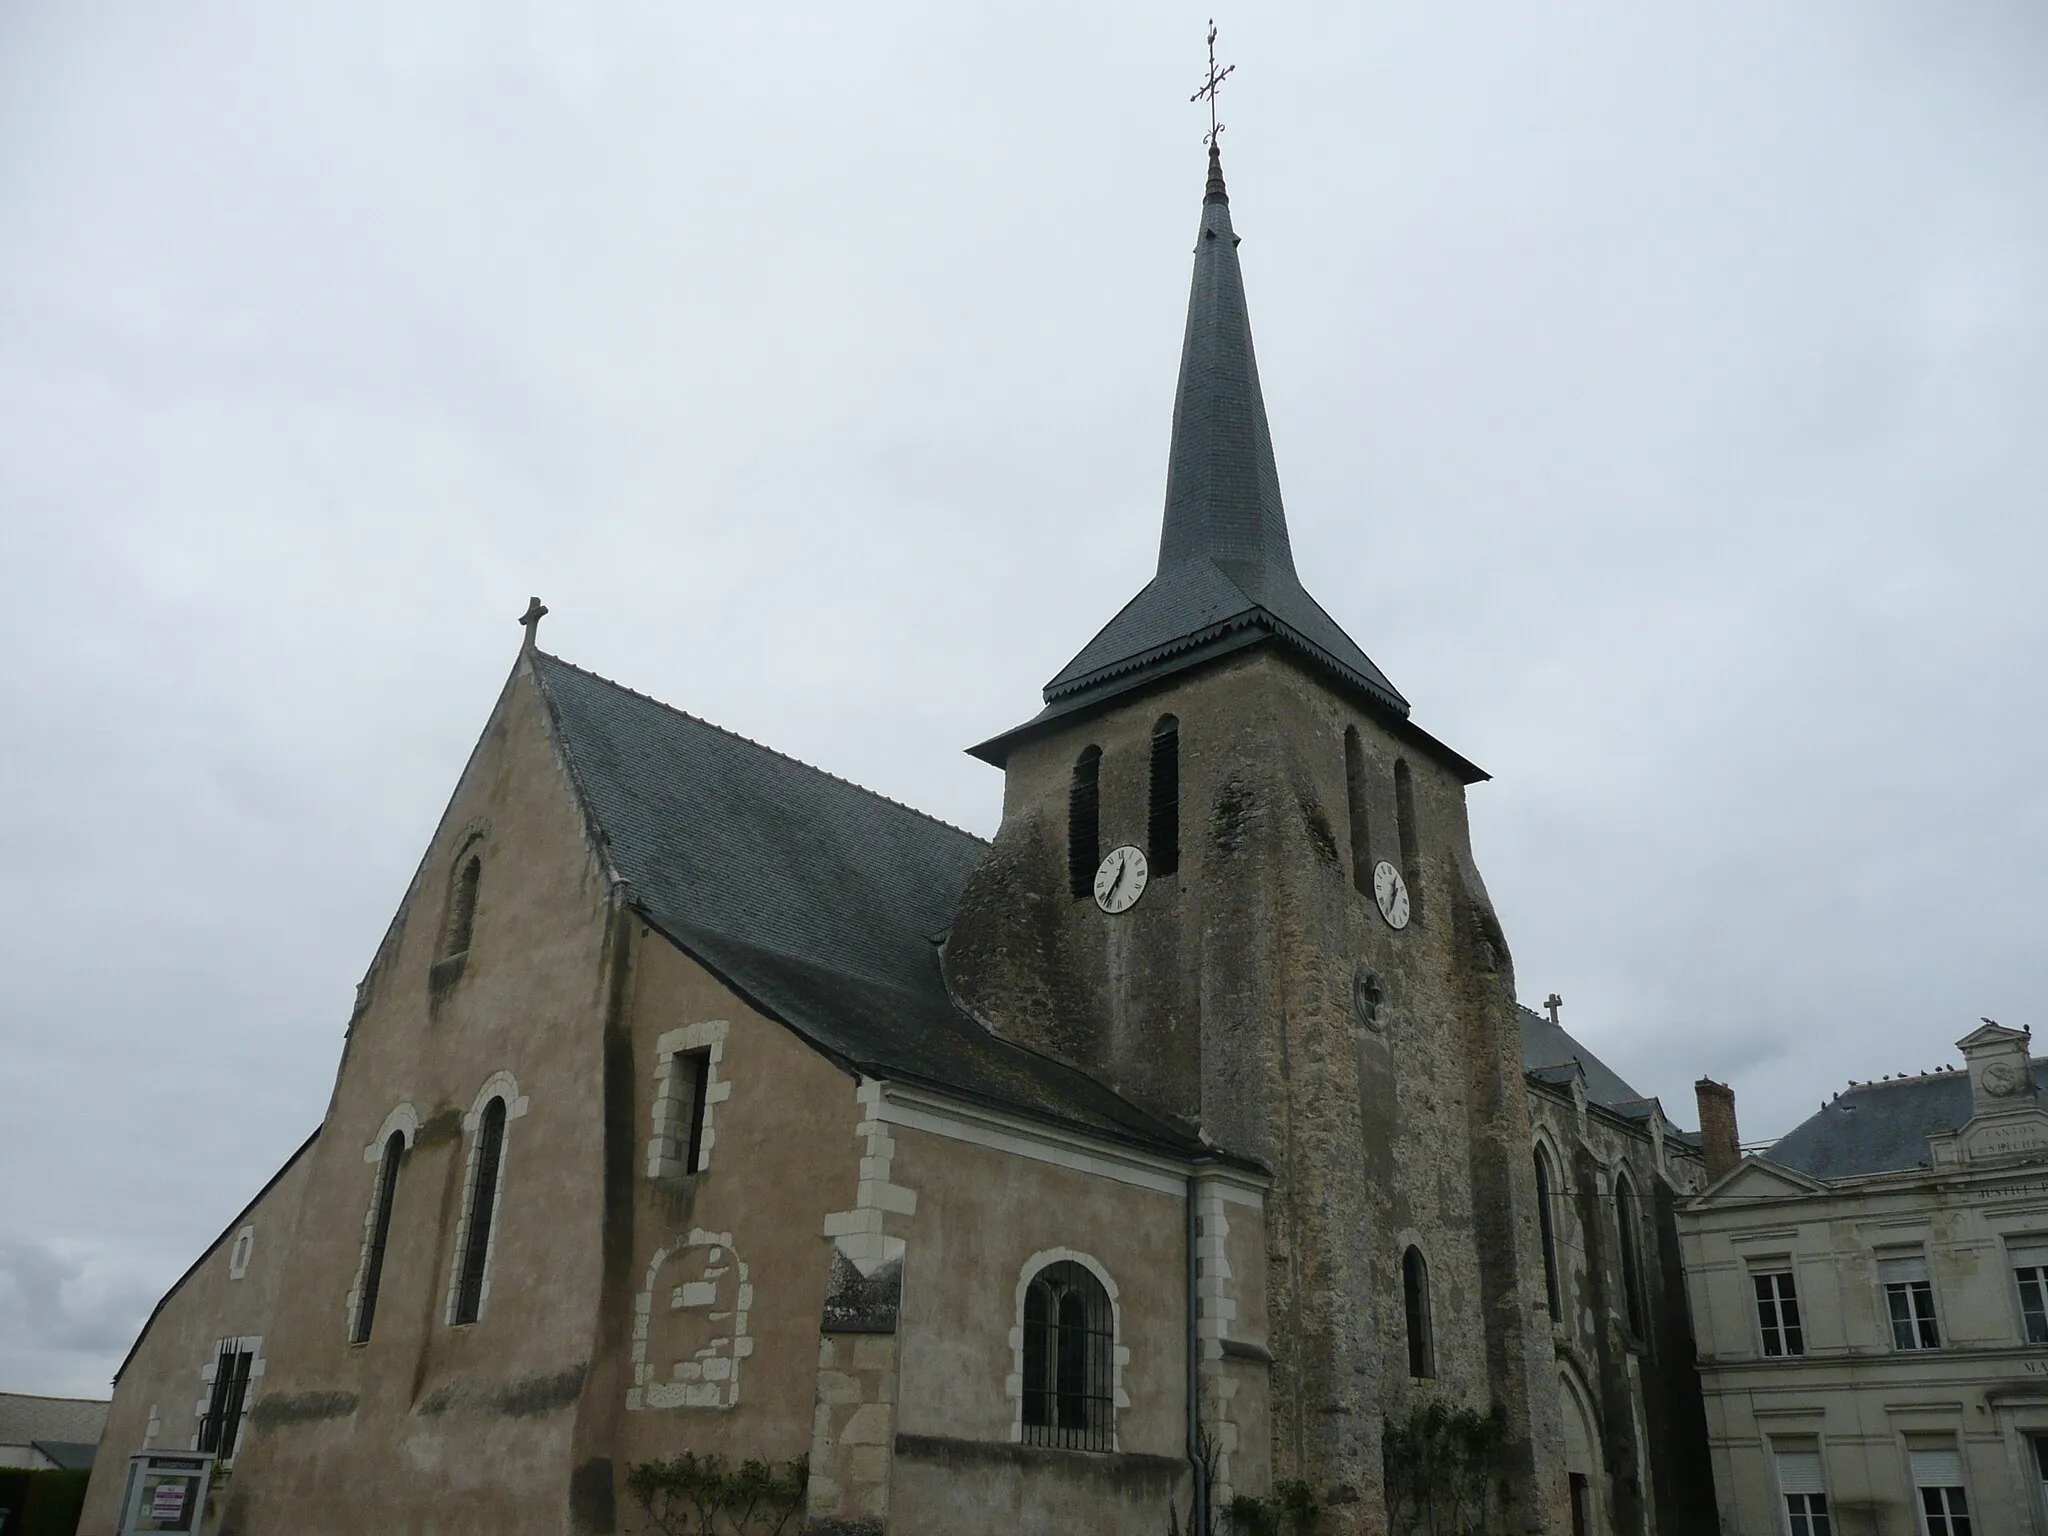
[[1579, 1464]]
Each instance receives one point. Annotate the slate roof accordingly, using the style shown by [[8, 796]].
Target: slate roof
[[25, 1420], [1880, 1127], [1546, 1045], [69, 1455], [1226, 574], [818, 901]]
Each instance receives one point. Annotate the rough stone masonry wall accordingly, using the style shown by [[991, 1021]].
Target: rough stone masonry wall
[[1231, 995]]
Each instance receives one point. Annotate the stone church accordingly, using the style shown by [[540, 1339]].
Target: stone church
[[1162, 1152]]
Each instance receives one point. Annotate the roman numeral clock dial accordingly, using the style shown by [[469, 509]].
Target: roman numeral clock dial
[[1121, 880], [1391, 892]]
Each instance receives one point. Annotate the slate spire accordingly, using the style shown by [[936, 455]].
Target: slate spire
[[1226, 574]]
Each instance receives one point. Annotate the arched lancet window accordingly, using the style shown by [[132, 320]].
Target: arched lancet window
[[1546, 1228], [1631, 1254], [1411, 848], [1084, 822], [1069, 1358], [380, 1233], [483, 1200], [1354, 799], [1415, 1301], [1162, 857], [469, 875]]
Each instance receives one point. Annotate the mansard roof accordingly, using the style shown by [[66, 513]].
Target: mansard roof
[[821, 903], [1881, 1127]]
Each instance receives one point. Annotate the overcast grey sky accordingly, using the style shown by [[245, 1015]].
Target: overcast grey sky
[[1659, 390]]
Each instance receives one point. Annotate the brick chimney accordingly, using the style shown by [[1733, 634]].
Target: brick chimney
[[1723, 1148]]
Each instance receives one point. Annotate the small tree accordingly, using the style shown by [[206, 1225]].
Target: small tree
[[1442, 1466]]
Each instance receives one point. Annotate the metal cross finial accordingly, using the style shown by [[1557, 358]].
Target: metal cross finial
[[1211, 85], [1552, 1003], [536, 610]]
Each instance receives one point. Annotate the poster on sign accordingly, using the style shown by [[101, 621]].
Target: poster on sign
[[167, 1506]]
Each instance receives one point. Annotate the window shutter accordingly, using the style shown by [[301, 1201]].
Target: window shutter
[[1936, 1469], [1799, 1472], [1903, 1271]]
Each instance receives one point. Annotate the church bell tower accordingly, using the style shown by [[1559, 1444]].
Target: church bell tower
[[1234, 880]]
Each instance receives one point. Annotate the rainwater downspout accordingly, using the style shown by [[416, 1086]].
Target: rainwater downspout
[[1198, 1509]]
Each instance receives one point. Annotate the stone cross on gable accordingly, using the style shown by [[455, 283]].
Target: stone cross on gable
[[536, 610], [1552, 1003]]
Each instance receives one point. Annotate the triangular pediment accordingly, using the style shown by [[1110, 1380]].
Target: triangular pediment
[[1756, 1178], [1990, 1033]]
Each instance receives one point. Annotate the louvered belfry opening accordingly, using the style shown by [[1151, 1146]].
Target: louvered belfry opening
[[1162, 854], [483, 1198], [1354, 802], [380, 1233], [1411, 843], [1084, 822], [1069, 1350]]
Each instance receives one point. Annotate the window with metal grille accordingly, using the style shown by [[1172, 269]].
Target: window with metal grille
[[1084, 822], [2030, 1270], [1354, 803], [380, 1233], [1546, 1228], [1069, 1353], [1804, 1493], [483, 1198], [1909, 1301], [1162, 853], [1938, 1479], [462, 906], [221, 1427], [1411, 842], [1415, 1302], [1631, 1255], [1777, 1313]]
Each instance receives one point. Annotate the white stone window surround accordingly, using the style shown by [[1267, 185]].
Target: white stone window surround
[[249, 1344], [1119, 1357], [672, 1107], [717, 1371], [239, 1254], [500, 1085], [406, 1121]]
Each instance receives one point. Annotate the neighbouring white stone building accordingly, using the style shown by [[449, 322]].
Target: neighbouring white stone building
[[1870, 1300]]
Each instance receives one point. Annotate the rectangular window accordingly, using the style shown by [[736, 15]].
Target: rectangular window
[[1801, 1487], [1909, 1302], [2030, 1270], [2040, 1445], [1777, 1313], [692, 1078], [1938, 1481], [222, 1426]]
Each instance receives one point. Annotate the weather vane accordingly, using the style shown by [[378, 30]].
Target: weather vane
[[1211, 85]]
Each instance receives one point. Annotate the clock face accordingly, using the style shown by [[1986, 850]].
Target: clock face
[[1121, 879], [1391, 892]]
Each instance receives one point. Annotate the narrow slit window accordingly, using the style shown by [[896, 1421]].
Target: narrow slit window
[[1163, 828], [462, 906], [380, 1234], [1411, 848], [1084, 822], [483, 1199], [222, 1426], [1415, 1302], [691, 1079], [1546, 1228], [1069, 1360], [1354, 800], [1631, 1255]]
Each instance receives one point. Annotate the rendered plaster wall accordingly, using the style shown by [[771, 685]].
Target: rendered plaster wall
[[156, 1397], [712, 1323], [1637, 1390], [1227, 995], [1853, 1397], [986, 1220], [430, 1425]]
